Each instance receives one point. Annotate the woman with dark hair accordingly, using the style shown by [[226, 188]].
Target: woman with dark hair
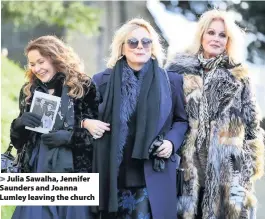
[[55, 69], [223, 153], [142, 125]]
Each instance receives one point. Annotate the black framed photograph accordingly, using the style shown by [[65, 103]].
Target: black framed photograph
[[46, 106]]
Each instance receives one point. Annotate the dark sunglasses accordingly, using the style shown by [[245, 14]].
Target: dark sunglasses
[[133, 43]]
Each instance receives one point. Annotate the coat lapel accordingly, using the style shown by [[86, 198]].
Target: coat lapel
[[165, 100]]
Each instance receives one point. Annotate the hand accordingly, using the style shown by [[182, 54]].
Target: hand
[[96, 127], [57, 139], [165, 149], [28, 119]]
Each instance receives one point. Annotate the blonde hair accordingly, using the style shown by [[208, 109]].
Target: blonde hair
[[120, 37], [234, 47], [64, 60]]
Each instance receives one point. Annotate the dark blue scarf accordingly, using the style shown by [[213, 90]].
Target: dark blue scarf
[[122, 97]]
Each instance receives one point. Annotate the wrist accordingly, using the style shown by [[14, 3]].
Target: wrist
[[84, 123]]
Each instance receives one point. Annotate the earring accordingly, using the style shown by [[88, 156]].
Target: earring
[[201, 49]]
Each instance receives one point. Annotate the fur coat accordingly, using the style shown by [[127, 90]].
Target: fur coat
[[233, 131]]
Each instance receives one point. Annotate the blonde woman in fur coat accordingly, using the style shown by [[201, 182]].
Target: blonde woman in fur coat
[[223, 153]]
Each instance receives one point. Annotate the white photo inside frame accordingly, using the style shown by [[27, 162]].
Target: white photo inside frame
[[46, 106]]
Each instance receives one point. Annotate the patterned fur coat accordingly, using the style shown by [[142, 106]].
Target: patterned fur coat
[[233, 130]]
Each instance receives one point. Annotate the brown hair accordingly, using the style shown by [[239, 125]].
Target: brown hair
[[64, 59]]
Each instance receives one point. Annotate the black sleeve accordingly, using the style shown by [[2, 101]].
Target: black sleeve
[[19, 136], [87, 107]]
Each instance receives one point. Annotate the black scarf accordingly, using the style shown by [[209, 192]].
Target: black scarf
[[106, 149], [55, 83]]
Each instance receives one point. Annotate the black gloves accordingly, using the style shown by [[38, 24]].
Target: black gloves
[[57, 138], [155, 145], [158, 162], [28, 119]]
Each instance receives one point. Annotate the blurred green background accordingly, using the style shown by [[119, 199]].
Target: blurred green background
[[12, 81]]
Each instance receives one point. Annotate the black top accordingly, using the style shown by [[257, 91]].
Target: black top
[[131, 172]]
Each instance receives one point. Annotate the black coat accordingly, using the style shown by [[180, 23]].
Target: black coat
[[85, 107]]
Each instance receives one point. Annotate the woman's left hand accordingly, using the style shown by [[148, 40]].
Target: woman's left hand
[[57, 138], [96, 127], [165, 149]]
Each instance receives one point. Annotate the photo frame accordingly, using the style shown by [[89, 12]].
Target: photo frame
[[46, 106]]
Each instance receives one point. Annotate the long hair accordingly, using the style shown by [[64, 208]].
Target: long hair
[[120, 37], [235, 43], [64, 60]]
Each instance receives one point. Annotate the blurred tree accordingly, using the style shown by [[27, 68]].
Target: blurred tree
[[253, 19], [66, 14], [250, 17]]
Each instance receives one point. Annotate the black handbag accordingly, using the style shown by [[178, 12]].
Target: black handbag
[[9, 163], [179, 181]]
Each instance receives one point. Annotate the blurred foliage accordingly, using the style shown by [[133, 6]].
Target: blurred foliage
[[11, 83], [12, 80], [250, 17], [71, 15], [7, 211], [254, 20]]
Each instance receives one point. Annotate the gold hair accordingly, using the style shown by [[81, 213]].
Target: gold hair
[[120, 37], [234, 32]]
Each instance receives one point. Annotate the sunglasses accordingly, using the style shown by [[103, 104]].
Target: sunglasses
[[133, 43]]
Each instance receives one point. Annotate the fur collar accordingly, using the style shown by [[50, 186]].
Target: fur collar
[[130, 90], [220, 87], [184, 63], [187, 63]]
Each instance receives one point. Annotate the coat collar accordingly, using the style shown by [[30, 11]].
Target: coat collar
[[221, 87], [184, 62]]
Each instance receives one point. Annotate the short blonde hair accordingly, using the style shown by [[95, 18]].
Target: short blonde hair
[[234, 47], [120, 37]]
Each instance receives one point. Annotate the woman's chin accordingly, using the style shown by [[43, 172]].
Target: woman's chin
[[45, 78]]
